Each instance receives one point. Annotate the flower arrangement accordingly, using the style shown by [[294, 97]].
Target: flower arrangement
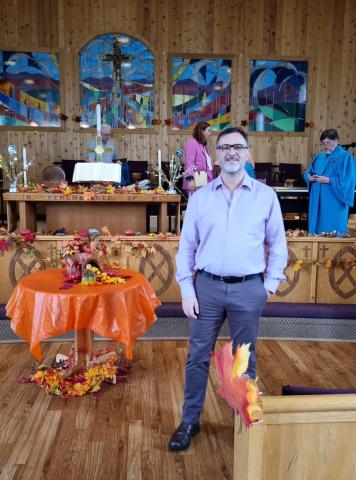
[[297, 233], [12, 169], [85, 260], [89, 193], [137, 248], [175, 171], [24, 239], [344, 263], [90, 381], [240, 391]]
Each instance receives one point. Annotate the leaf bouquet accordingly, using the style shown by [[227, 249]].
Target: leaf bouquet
[[12, 169], [175, 172]]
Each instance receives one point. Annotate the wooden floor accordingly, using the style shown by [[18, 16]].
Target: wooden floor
[[124, 434]]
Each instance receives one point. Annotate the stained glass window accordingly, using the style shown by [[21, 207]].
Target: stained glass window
[[29, 89], [201, 92], [278, 95], [117, 71]]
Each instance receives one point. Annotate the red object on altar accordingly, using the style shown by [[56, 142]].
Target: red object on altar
[[40, 309]]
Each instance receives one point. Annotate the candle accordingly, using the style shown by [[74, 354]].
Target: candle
[[24, 163], [98, 118], [159, 167]]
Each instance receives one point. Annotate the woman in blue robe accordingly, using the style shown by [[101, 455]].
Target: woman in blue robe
[[331, 182]]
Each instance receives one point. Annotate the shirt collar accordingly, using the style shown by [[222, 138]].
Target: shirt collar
[[246, 182]]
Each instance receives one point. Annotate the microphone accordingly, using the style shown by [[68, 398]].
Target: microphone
[[349, 145], [180, 152]]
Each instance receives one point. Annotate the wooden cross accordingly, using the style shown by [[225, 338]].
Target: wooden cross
[[307, 250], [116, 58]]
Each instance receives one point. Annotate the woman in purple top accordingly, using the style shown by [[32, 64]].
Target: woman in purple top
[[197, 156]]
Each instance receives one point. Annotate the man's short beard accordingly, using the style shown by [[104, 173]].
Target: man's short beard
[[235, 168]]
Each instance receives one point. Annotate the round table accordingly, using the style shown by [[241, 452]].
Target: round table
[[40, 308]]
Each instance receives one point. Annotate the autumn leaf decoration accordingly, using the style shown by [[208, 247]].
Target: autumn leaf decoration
[[88, 195], [240, 391]]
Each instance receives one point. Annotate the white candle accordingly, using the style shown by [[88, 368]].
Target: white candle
[[24, 163], [159, 167], [98, 118]]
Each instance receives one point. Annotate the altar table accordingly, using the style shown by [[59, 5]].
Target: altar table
[[118, 212], [40, 309]]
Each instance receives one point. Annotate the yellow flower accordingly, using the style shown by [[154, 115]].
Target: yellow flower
[[328, 263], [297, 265], [80, 388], [241, 359]]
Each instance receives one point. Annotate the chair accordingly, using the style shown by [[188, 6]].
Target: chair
[[263, 172], [291, 171]]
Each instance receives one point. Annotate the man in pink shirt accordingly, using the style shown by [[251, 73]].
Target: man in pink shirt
[[231, 257]]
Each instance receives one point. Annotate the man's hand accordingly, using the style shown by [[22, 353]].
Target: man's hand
[[190, 307], [321, 179], [311, 178]]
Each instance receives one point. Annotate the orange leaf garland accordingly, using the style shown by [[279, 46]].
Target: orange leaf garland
[[240, 392]]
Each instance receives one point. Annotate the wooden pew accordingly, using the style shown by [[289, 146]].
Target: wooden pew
[[303, 437]]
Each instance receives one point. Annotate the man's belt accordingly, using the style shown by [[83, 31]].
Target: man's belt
[[230, 278]]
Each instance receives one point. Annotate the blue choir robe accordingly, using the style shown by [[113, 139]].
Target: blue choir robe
[[249, 169], [329, 202]]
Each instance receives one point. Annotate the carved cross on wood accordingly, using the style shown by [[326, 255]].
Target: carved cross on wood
[[323, 249], [307, 250]]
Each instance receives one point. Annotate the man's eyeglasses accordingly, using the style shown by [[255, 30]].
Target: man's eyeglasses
[[236, 146], [329, 143]]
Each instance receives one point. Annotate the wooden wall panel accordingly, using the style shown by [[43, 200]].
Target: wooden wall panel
[[323, 31]]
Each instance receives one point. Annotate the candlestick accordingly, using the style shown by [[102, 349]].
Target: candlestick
[[24, 163], [159, 167], [98, 118], [99, 144]]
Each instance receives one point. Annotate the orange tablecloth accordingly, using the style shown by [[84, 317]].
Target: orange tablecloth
[[39, 309]]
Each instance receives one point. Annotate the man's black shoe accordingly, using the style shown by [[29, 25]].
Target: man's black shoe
[[180, 440]]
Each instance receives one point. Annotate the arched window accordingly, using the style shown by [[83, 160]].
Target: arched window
[[117, 71]]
